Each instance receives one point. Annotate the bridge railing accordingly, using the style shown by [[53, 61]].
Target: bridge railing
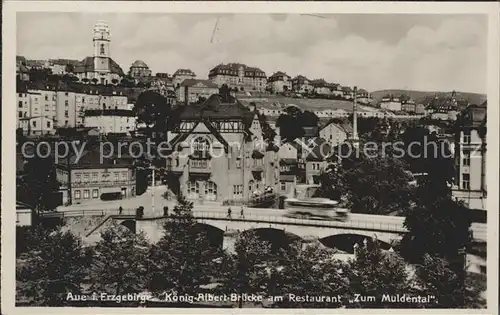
[[248, 217], [258, 218]]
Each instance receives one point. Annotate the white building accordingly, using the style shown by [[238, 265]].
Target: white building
[[391, 103], [37, 126], [110, 120], [470, 158], [180, 75], [279, 82]]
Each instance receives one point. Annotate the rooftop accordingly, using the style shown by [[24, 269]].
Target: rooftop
[[139, 64]]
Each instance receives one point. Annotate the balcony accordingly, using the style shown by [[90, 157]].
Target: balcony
[[200, 167]]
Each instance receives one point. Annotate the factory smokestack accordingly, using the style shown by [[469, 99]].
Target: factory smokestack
[[355, 117], [186, 95]]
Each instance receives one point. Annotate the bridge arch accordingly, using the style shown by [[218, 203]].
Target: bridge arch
[[130, 224], [278, 238], [345, 242], [214, 234]]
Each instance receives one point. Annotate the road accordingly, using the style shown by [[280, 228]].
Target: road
[[145, 200]]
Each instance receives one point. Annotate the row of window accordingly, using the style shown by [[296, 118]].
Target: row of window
[[86, 194], [316, 166], [86, 177], [210, 187]]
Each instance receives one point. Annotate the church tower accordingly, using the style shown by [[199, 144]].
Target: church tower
[[101, 38]]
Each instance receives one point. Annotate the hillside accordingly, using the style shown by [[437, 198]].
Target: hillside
[[420, 96]]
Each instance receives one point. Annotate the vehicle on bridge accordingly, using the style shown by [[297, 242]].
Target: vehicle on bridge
[[264, 199], [305, 205]]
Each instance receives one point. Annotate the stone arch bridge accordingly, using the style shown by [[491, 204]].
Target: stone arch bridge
[[221, 230]]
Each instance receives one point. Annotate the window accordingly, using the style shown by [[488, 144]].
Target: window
[[95, 193], [66, 94], [237, 189], [48, 124], [102, 49], [283, 186], [250, 185], [66, 103], [238, 163], [66, 113], [194, 187], [211, 188], [124, 176], [466, 158], [66, 122], [169, 162], [117, 176], [20, 114], [86, 178], [20, 104], [86, 194], [46, 97], [78, 178], [77, 194], [466, 181], [466, 136], [94, 177], [200, 146], [177, 162]]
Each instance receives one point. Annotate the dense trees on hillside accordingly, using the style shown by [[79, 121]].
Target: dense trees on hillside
[[293, 121]]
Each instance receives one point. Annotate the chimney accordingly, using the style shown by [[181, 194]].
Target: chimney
[[186, 95], [355, 116]]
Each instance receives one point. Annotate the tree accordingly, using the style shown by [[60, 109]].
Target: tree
[[120, 262], [437, 278], [374, 184], [375, 273], [39, 183], [225, 92], [245, 270], [268, 133], [309, 271], [183, 259], [290, 124], [309, 119], [436, 225], [58, 265], [152, 109]]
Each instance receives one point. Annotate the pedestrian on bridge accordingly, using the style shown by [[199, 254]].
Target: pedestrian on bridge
[[120, 210], [165, 211], [242, 215], [229, 212]]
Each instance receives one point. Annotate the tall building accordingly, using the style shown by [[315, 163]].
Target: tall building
[[100, 68], [239, 76], [470, 157]]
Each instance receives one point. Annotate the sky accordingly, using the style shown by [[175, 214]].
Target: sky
[[372, 51]]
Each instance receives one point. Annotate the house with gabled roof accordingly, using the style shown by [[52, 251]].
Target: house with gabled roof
[[218, 152]]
